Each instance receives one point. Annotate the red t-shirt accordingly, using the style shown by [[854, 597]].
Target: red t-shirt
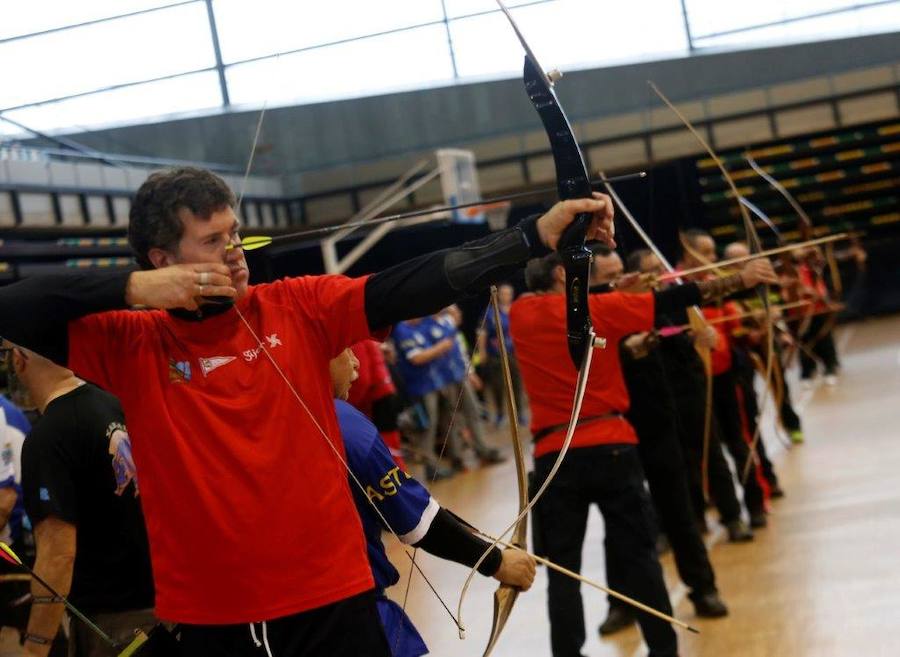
[[721, 353], [813, 288], [538, 329], [248, 510], [374, 381]]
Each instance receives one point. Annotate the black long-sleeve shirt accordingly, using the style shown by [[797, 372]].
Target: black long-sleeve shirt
[[35, 313]]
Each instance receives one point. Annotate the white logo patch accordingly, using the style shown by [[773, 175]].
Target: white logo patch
[[252, 354], [210, 364]]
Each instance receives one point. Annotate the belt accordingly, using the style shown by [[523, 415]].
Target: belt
[[546, 431]]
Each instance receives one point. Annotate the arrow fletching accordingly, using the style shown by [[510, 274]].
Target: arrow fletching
[[7, 553], [252, 242]]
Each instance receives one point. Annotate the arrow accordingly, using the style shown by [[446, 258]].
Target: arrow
[[251, 243]]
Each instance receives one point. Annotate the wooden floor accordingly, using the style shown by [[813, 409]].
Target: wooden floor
[[823, 579]]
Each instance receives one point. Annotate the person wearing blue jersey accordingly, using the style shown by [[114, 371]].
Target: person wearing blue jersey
[[490, 364], [411, 512], [421, 343], [14, 426], [458, 392]]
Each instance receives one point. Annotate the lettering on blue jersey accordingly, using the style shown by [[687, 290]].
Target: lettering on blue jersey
[[389, 485]]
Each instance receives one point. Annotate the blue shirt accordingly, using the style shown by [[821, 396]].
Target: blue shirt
[[406, 506], [14, 426], [451, 367], [493, 344], [411, 339]]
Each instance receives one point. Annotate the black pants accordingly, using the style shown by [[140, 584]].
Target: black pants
[[348, 628], [609, 476], [652, 414], [688, 384], [745, 377], [729, 415], [822, 346]]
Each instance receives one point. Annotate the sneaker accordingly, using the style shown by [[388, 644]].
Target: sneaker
[[758, 520], [709, 605], [738, 532], [796, 436], [831, 380], [617, 619]]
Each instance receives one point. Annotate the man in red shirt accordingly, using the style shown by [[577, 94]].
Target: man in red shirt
[[603, 466], [255, 542], [729, 407]]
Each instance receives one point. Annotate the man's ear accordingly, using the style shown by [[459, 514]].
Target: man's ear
[[160, 258], [19, 360], [559, 275]]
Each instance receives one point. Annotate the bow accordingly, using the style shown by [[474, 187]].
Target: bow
[[755, 245], [505, 596], [123, 649], [573, 181], [806, 233]]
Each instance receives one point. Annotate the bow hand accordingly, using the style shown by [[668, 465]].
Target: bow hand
[[759, 272], [517, 568], [568, 223]]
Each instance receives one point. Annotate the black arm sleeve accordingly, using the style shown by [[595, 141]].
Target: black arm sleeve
[[673, 299], [448, 538], [425, 284], [35, 312]]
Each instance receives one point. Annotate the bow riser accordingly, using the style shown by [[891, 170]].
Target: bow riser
[[572, 181]]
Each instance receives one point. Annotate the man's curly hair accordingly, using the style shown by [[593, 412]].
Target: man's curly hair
[[153, 219]]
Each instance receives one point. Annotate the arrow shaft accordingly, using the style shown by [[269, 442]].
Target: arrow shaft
[[327, 230], [762, 254], [581, 578]]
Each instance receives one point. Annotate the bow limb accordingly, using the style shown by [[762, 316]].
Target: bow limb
[[698, 325], [505, 596], [755, 245], [806, 224], [572, 181]]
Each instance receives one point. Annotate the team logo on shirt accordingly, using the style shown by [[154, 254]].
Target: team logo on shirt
[[7, 455], [251, 355], [179, 370], [207, 365], [122, 460]]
